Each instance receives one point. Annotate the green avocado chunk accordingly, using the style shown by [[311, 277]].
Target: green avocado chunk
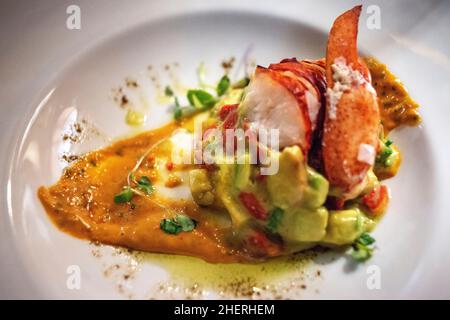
[[287, 186], [242, 173], [226, 191], [304, 225], [316, 191], [345, 226]]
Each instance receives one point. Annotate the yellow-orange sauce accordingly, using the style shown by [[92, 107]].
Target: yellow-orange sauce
[[82, 204], [396, 106]]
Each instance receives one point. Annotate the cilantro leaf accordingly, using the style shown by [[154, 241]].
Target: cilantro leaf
[[169, 226], [187, 223], [223, 85], [200, 99], [177, 224], [145, 185], [124, 196]]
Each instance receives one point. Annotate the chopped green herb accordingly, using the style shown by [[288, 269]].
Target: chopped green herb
[[124, 196], [169, 226], [366, 239], [384, 157], [187, 224], [276, 215], [223, 85], [200, 99], [145, 185], [242, 83], [361, 255], [168, 91], [180, 223], [361, 250]]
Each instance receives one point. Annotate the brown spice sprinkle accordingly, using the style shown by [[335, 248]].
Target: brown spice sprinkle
[[75, 132], [69, 158], [228, 64], [131, 83], [124, 101]]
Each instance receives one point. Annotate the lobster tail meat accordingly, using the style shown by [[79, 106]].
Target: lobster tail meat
[[287, 96]]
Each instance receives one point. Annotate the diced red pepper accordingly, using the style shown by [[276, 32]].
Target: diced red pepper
[[169, 165], [231, 120], [228, 114], [252, 204], [226, 110], [377, 199]]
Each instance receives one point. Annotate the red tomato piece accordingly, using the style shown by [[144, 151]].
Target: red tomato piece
[[252, 204], [377, 199]]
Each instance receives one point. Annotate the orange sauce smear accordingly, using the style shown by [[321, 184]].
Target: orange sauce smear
[[82, 204]]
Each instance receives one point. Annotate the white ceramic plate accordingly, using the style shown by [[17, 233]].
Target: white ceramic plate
[[52, 77]]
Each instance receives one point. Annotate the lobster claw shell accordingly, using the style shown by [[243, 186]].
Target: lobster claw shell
[[352, 119]]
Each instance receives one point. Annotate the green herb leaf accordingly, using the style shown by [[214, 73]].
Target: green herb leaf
[[169, 226], [240, 84], [361, 247], [145, 185], [366, 239], [276, 215], [124, 196], [200, 99], [187, 223], [223, 85], [361, 254], [180, 223], [168, 91], [384, 157]]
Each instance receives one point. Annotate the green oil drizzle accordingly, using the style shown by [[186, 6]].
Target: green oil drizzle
[[190, 270]]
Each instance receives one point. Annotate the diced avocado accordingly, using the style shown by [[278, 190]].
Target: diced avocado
[[316, 191], [304, 225], [201, 188], [345, 226], [287, 186], [242, 173], [225, 191]]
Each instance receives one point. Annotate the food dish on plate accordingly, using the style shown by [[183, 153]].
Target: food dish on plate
[[330, 120]]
